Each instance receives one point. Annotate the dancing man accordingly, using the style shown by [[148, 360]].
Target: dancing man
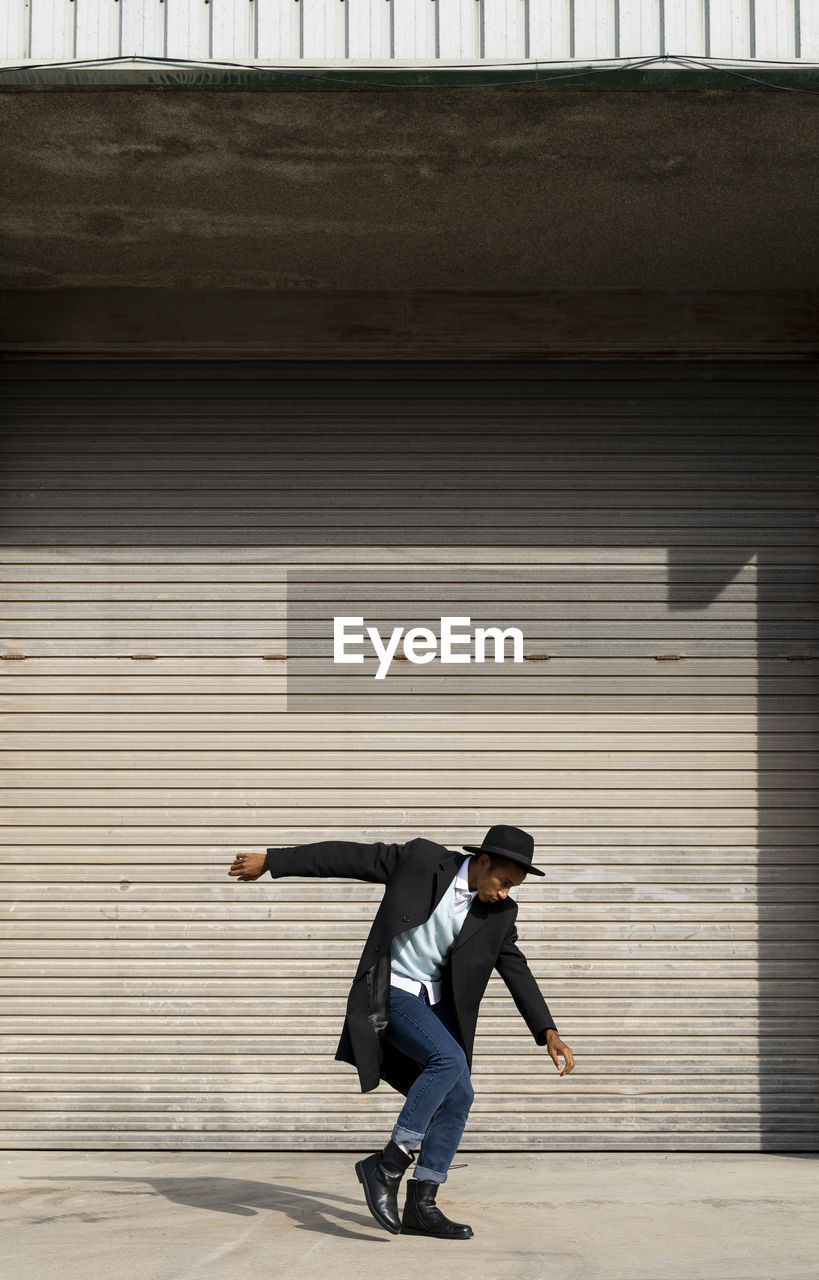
[[444, 923]]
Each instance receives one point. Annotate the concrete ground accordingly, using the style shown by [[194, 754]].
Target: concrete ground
[[237, 1216]]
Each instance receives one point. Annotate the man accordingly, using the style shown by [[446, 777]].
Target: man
[[444, 923]]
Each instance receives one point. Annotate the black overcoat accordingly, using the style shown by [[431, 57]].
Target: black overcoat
[[416, 875]]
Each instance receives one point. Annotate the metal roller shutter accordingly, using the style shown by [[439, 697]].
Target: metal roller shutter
[[649, 524]]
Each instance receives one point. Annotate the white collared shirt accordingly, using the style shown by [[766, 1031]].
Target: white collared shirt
[[463, 901]]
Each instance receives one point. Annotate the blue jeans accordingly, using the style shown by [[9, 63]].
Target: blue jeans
[[438, 1102]]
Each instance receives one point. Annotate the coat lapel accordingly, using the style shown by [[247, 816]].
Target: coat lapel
[[476, 918], [442, 878]]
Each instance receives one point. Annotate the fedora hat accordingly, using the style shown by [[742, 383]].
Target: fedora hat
[[508, 842]]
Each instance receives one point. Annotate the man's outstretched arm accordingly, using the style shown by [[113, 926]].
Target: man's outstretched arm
[[343, 859], [514, 969]]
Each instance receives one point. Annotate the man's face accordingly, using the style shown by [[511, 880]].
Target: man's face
[[494, 883]]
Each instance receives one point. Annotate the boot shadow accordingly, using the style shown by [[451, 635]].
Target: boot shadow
[[323, 1212]]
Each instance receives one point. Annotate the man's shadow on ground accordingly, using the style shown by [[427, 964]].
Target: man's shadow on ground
[[325, 1213]]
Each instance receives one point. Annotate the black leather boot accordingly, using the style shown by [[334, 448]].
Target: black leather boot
[[380, 1175], [422, 1217]]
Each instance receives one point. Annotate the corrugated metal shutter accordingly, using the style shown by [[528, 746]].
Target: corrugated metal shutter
[[662, 755]]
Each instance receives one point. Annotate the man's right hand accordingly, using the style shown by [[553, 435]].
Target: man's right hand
[[248, 866]]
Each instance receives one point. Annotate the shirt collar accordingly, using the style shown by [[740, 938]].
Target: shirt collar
[[462, 882]]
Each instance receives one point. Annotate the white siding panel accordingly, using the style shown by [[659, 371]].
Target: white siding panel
[[808, 48], [550, 31], [277, 32], [143, 28], [504, 30], [459, 29], [323, 26], [98, 29], [684, 28], [188, 29], [167, 508], [15, 19], [730, 28], [51, 31], [594, 28], [415, 31], [412, 29], [639, 28], [368, 28], [774, 29], [233, 27]]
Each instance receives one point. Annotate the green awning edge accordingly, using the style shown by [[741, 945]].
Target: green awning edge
[[46, 77]]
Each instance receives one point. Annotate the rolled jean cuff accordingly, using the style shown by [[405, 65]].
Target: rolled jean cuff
[[409, 1137], [422, 1174]]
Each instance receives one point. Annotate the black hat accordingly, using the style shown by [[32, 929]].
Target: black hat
[[508, 842]]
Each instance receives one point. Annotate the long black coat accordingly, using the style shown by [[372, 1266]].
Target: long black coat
[[416, 875]]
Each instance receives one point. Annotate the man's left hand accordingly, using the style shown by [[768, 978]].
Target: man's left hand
[[555, 1047]]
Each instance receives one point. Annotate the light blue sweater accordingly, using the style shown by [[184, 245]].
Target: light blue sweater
[[420, 953]]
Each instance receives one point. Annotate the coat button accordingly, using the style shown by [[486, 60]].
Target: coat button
[[405, 919], [378, 948]]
